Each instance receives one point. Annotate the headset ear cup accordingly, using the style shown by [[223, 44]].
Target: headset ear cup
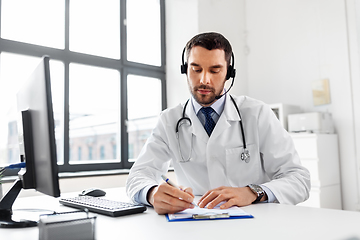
[[230, 72], [233, 73], [183, 68]]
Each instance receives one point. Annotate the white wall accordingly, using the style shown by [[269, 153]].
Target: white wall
[[186, 18], [291, 43], [353, 15], [227, 18], [181, 25]]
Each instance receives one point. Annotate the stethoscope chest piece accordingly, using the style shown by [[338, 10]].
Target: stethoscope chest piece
[[245, 156]]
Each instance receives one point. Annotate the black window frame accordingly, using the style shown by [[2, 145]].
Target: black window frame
[[125, 68]]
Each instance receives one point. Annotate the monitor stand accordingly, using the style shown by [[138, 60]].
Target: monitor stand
[[6, 203]]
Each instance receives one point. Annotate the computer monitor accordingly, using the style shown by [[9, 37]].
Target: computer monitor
[[37, 143]]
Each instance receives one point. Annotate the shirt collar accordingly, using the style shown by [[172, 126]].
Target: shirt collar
[[218, 105]]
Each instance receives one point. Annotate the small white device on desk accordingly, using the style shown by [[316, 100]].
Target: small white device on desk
[[71, 226], [313, 122]]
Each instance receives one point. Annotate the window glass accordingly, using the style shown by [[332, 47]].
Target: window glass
[[94, 113], [39, 22], [144, 106], [88, 56], [143, 31], [14, 70], [95, 27]]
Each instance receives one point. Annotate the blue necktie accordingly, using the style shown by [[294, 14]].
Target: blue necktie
[[209, 122]]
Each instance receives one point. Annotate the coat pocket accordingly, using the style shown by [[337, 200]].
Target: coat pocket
[[241, 172]]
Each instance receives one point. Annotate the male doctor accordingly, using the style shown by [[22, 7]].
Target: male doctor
[[234, 153]]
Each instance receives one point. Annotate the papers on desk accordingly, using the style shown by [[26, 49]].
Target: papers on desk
[[198, 213]]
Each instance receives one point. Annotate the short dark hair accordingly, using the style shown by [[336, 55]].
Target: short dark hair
[[210, 41]]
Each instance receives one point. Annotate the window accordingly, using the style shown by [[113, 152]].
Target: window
[[102, 152], [79, 153], [99, 58], [39, 22], [138, 30], [140, 123], [90, 149], [94, 107], [95, 29]]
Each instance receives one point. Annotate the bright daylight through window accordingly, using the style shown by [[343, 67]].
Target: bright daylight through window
[[102, 68]]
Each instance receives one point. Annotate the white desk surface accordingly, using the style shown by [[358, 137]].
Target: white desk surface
[[271, 221]]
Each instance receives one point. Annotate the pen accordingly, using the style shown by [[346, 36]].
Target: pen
[[168, 181]]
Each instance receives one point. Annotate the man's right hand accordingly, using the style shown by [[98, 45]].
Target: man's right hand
[[168, 199]]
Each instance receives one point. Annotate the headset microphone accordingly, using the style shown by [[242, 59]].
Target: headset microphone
[[232, 83]]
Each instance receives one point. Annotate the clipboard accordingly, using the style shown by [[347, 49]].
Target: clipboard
[[199, 214]]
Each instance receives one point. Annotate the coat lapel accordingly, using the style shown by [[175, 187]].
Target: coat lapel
[[196, 127], [229, 115]]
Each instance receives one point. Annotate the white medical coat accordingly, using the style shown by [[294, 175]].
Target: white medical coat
[[215, 160]]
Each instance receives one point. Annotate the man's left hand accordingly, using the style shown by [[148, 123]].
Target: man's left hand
[[232, 196]]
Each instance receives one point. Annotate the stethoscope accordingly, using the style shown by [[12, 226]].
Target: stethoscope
[[245, 155]]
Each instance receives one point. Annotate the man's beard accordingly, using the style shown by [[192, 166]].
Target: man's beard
[[204, 99]]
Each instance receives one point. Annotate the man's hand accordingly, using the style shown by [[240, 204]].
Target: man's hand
[[232, 196], [168, 199]]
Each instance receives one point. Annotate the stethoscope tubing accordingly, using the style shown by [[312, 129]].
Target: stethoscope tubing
[[245, 155], [182, 118], [241, 125]]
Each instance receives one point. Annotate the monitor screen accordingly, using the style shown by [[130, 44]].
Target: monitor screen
[[37, 143]]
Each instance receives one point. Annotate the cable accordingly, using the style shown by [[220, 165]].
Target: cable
[[16, 165], [13, 166]]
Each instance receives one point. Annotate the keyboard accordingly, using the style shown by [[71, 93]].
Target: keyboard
[[102, 205]]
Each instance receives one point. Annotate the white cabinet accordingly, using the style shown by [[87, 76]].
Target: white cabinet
[[319, 154]]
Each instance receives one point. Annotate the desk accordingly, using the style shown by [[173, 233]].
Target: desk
[[278, 221]]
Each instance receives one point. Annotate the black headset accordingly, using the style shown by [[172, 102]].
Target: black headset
[[231, 71]]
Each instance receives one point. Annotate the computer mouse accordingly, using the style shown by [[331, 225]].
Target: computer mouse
[[94, 192]]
